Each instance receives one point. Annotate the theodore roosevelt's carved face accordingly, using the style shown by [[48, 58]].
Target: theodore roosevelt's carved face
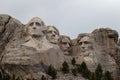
[[65, 44], [52, 34], [36, 27], [85, 44]]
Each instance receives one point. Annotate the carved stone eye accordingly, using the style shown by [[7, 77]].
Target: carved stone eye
[[49, 32], [31, 24], [38, 24]]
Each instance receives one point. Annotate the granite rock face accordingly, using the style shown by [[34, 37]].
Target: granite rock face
[[106, 41], [97, 47], [28, 49]]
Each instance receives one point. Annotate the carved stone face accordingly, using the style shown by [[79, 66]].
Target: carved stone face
[[65, 44], [52, 34], [85, 44], [36, 27]]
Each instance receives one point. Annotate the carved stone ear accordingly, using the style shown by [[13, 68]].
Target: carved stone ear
[[44, 31], [26, 28]]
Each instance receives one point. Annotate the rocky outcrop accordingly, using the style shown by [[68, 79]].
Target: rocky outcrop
[[27, 50], [8, 29], [97, 47], [106, 40]]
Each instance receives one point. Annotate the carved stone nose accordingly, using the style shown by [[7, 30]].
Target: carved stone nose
[[53, 35], [67, 45]]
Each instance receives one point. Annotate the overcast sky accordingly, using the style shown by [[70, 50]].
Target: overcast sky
[[71, 17]]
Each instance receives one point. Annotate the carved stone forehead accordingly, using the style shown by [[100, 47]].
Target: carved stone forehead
[[65, 39], [53, 28], [86, 38], [36, 19]]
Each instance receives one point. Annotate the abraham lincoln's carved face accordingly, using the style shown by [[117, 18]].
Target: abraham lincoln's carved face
[[36, 27], [52, 34], [85, 44]]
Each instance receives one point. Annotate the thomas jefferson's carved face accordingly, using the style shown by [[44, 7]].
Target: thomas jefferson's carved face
[[52, 34], [85, 44], [65, 45], [36, 27]]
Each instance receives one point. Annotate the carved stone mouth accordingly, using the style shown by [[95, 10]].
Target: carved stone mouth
[[36, 36]]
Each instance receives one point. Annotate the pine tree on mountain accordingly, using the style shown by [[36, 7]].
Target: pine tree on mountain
[[65, 67], [99, 72], [73, 61], [52, 71]]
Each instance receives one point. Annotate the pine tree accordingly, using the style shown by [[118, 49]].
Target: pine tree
[[52, 71], [92, 76], [78, 68], [107, 76], [65, 67], [99, 72], [84, 70], [73, 61], [43, 78], [74, 72]]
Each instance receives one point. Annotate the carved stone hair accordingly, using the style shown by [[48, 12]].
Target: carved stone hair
[[54, 28]]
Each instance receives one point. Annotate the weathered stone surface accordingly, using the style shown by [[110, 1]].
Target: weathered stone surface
[[9, 27], [27, 50], [94, 51], [85, 51], [65, 44], [106, 40], [53, 34]]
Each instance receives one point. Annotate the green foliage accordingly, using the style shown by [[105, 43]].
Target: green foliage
[[78, 68], [99, 72], [74, 72], [73, 61], [43, 78], [104, 78], [65, 67], [107, 76], [52, 71], [84, 70], [92, 76]]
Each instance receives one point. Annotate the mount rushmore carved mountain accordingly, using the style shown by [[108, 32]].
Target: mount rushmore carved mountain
[[28, 49]]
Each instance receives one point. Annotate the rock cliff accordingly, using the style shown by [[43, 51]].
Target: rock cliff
[[27, 50]]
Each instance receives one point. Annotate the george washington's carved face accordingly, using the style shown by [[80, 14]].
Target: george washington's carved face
[[52, 34], [36, 27], [85, 44], [65, 44]]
